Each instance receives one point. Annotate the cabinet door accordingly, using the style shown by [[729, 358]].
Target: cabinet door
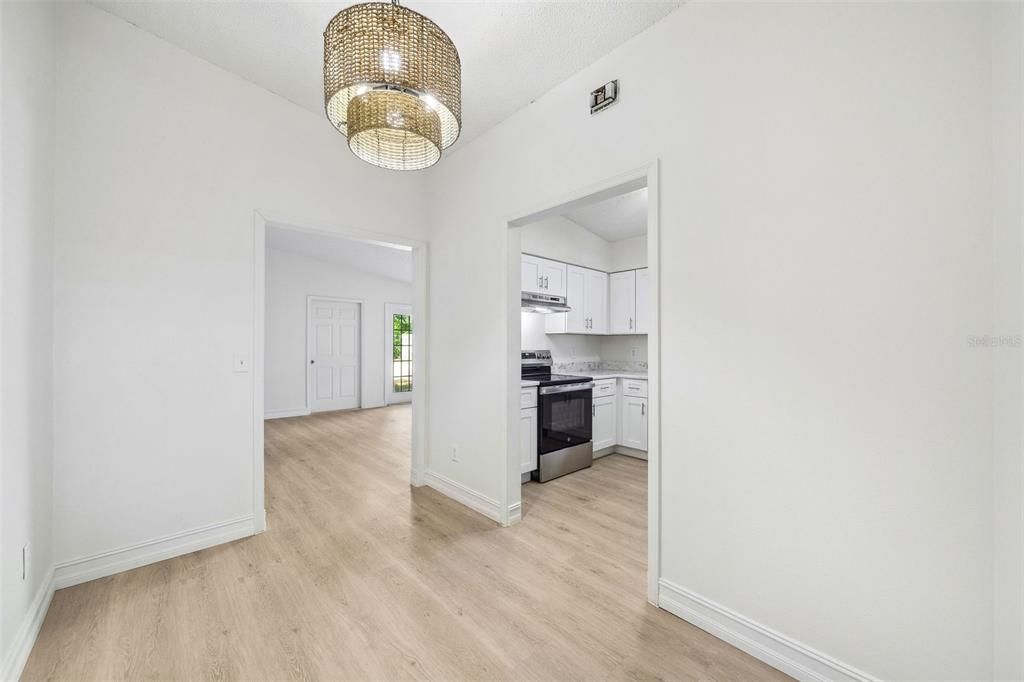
[[528, 440], [622, 303], [531, 277], [634, 423], [605, 420], [596, 299], [554, 275], [576, 297], [642, 304]]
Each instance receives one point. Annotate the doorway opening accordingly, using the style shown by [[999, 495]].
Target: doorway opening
[[334, 314], [584, 341]]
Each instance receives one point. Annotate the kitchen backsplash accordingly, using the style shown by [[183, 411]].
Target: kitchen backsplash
[[594, 364]]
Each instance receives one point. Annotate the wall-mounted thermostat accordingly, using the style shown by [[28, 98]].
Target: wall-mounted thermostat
[[604, 96]]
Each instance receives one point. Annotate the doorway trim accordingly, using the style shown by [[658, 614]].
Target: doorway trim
[[637, 178], [419, 249], [389, 372], [362, 345]]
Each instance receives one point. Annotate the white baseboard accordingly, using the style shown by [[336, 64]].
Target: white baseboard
[[791, 657], [463, 495], [282, 414], [515, 513], [15, 658], [88, 568]]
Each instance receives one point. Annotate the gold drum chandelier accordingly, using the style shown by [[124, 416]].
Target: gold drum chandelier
[[392, 85]]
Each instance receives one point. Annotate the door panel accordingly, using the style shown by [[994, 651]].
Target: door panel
[[622, 303], [604, 422], [597, 301], [642, 297], [531, 275], [634, 422], [333, 355]]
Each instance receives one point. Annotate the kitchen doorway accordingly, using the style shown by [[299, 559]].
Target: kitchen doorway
[[646, 395]]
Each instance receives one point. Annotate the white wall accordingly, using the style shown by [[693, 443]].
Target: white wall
[[629, 254], [161, 166], [825, 196], [26, 322], [563, 347], [561, 239], [291, 278], [1008, 222]]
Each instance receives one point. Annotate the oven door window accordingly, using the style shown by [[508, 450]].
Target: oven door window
[[565, 420]]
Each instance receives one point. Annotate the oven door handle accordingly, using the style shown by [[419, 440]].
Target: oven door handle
[[566, 388]]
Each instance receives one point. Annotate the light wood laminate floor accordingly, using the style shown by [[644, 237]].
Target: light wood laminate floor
[[361, 577]]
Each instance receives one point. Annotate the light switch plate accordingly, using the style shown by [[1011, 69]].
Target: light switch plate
[[241, 363]]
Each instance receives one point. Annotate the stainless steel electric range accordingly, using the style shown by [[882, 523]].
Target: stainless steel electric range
[[564, 417]]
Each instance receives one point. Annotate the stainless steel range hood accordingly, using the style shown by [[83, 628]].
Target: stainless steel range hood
[[544, 303]]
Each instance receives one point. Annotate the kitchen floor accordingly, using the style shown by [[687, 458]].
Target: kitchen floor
[[359, 576]]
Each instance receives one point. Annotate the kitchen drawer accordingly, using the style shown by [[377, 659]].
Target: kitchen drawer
[[604, 387], [528, 398], [634, 387]]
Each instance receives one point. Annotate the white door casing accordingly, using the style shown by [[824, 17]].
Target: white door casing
[[333, 354]]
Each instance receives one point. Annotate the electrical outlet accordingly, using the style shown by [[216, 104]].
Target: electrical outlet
[[24, 562], [241, 363], [455, 453], [634, 352]]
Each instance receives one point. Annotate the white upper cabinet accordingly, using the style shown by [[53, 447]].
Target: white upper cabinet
[[643, 321], [531, 279], [595, 302], [554, 275], [542, 276], [622, 303], [586, 294]]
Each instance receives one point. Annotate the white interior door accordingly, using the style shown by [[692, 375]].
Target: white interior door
[[398, 360], [333, 354]]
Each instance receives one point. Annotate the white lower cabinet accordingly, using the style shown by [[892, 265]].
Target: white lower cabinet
[[605, 422], [528, 440], [633, 421]]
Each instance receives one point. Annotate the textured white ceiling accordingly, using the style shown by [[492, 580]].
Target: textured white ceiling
[[512, 52], [377, 260], [619, 217]]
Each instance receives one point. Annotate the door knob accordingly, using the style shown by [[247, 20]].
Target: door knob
[[312, 361]]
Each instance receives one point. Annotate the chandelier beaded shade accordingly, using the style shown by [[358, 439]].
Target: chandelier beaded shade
[[392, 85]]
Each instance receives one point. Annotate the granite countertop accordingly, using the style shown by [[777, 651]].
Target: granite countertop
[[609, 374], [526, 383]]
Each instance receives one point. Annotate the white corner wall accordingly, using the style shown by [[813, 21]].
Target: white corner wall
[[826, 251], [26, 324], [160, 169], [563, 240], [629, 254], [291, 278]]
